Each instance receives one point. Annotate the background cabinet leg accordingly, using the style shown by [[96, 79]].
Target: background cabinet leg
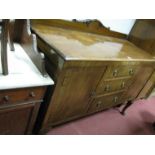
[[125, 107], [153, 125], [4, 38], [11, 35]]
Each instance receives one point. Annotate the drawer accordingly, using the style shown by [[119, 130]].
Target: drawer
[[120, 71], [105, 102], [108, 86], [21, 95]]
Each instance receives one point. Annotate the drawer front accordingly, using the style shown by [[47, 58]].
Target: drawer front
[[21, 95], [120, 71], [106, 87], [105, 102]]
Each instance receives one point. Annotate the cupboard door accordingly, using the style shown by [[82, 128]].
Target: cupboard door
[[17, 119], [72, 93]]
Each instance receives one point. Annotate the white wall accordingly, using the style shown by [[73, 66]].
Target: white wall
[[123, 25]]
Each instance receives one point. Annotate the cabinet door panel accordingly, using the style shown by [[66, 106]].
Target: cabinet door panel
[[15, 120], [73, 92]]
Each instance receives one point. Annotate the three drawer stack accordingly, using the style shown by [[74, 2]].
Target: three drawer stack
[[112, 86]]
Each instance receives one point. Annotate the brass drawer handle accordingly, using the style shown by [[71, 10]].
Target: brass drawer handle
[[131, 72], [115, 99], [32, 94], [107, 88], [92, 94], [123, 85], [6, 98], [115, 72], [98, 103]]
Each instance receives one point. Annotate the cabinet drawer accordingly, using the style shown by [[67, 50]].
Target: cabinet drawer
[[108, 86], [120, 71], [21, 95], [105, 102]]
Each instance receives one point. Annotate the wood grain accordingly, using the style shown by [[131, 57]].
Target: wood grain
[[75, 45]]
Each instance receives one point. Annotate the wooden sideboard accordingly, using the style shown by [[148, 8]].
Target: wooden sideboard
[[91, 72]]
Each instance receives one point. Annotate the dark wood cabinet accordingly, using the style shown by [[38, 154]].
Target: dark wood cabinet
[[19, 109]]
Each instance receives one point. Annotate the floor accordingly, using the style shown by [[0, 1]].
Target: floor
[[137, 121]]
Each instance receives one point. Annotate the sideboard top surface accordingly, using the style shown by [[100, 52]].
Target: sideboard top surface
[[75, 45]]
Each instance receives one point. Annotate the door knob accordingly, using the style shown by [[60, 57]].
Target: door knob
[[123, 85], [32, 94], [115, 72], [107, 88], [115, 99], [6, 98], [131, 72]]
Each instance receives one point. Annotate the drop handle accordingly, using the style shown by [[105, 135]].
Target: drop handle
[[123, 85], [107, 88], [92, 94], [115, 72], [115, 99], [98, 104], [6, 98], [131, 72], [32, 94]]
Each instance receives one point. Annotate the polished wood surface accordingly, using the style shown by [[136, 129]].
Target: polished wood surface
[[19, 109], [75, 45]]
